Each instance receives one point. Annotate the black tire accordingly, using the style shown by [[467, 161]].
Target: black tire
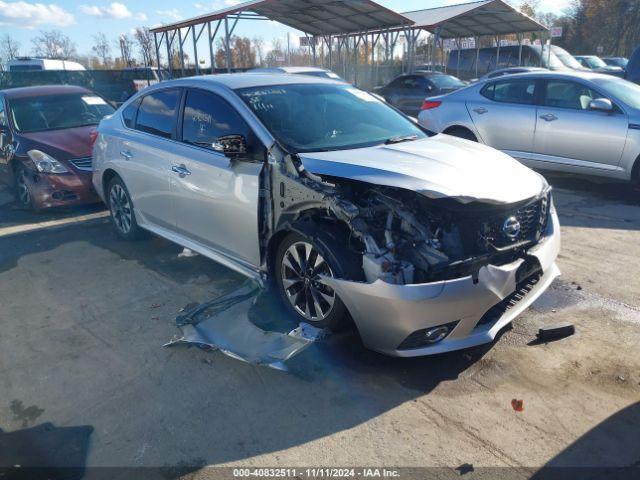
[[341, 264], [462, 133], [22, 192], [123, 218]]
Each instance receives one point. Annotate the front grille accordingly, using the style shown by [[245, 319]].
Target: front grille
[[523, 289], [84, 164], [532, 219]]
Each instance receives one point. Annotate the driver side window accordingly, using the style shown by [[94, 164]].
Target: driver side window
[[208, 117], [564, 94]]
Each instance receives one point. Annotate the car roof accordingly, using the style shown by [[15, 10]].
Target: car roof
[[568, 74], [246, 80], [424, 73], [24, 92], [288, 70]]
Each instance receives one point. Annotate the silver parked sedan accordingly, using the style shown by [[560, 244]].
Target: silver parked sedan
[[431, 243], [572, 122]]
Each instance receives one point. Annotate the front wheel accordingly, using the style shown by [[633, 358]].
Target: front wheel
[[23, 194], [301, 264], [123, 218]]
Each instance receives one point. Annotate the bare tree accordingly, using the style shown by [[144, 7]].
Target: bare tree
[[146, 45], [126, 49], [53, 44], [102, 49], [258, 45], [9, 48]]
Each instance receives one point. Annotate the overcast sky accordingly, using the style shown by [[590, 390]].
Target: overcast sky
[[81, 19]]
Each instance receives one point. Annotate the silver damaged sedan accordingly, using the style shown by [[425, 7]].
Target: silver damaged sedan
[[430, 243]]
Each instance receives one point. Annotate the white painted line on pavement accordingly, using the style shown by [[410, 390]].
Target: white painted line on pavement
[[30, 227]]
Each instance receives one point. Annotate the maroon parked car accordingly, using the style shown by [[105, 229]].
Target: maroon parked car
[[46, 137]]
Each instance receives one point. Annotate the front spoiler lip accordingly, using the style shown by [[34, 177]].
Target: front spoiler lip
[[386, 314]]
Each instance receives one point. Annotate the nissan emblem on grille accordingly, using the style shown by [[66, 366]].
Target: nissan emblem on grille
[[511, 228]]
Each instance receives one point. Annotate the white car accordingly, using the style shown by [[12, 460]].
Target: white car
[[430, 243]]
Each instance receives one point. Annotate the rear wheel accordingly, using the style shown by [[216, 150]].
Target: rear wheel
[[462, 133], [123, 218]]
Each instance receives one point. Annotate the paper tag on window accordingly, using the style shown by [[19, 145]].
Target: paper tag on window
[[93, 100]]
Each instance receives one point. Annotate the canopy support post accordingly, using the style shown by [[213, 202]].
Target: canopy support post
[[477, 40], [227, 47], [155, 41]]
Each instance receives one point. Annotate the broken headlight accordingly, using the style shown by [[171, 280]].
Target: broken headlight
[[46, 163]]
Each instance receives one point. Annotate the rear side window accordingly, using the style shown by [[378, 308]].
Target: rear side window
[[208, 117], [511, 91], [129, 114], [157, 113]]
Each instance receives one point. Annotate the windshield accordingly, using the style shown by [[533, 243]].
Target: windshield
[[566, 58], [53, 112], [550, 61], [446, 81], [317, 117], [617, 62], [627, 92], [595, 62]]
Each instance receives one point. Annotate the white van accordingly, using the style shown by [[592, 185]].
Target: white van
[[36, 64]]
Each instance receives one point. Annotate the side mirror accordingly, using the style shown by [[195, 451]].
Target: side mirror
[[233, 146], [601, 105]]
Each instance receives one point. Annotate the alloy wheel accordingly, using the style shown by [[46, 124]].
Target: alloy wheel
[[24, 195], [302, 270], [120, 208]]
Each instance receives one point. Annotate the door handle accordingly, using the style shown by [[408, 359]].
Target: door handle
[[481, 110], [549, 117], [180, 170], [126, 154]]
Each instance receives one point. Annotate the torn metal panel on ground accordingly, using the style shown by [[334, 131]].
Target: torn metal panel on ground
[[223, 324]]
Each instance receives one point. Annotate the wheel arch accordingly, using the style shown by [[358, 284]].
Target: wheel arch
[[458, 127], [108, 175], [635, 172], [309, 224]]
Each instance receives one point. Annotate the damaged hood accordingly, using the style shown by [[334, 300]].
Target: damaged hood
[[437, 167]]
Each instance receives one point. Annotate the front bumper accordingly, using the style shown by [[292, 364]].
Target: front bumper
[[387, 314], [64, 190]]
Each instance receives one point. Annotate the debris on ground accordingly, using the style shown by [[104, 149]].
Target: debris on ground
[[556, 332], [518, 405], [308, 332], [223, 324]]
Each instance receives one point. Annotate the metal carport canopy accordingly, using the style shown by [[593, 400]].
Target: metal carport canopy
[[313, 17], [486, 17]]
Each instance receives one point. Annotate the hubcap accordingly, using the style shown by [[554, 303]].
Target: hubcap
[[23, 190], [302, 269], [120, 208]]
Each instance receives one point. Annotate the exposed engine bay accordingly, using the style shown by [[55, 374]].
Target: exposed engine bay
[[405, 237]]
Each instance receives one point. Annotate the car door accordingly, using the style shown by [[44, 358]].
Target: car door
[[504, 115], [569, 132], [145, 155], [216, 198]]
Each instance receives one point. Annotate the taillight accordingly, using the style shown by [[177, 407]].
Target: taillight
[[93, 136], [428, 105]]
